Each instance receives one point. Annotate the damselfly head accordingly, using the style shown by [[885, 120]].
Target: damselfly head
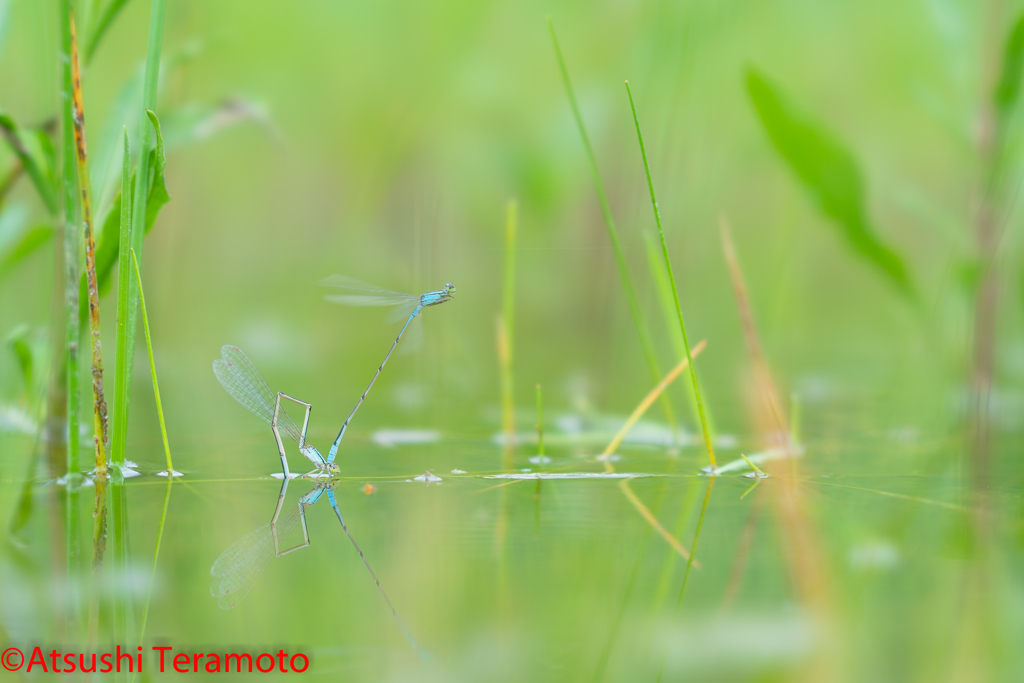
[[449, 289]]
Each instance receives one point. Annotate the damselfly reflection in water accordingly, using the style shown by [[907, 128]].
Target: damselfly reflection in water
[[238, 568], [361, 294]]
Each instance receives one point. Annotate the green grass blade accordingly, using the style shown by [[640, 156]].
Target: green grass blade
[[133, 236], [613, 234], [829, 173], [656, 265], [121, 379], [105, 20], [675, 290]]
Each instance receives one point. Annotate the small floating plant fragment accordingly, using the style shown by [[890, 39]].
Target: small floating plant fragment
[[570, 475], [427, 478], [170, 473], [742, 463], [758, 473]]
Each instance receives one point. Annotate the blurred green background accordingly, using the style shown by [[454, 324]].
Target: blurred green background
[[383, 141]]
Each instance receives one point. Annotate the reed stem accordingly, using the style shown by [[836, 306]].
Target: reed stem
[[68, 180]]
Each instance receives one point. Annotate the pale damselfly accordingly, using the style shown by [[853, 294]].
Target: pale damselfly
[[358, 293]]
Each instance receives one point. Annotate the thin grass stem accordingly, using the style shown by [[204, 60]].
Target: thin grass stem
[[672, 281], [156, 556], [651, 397], [505, 338], [540, 424], [613, 235], [152, 368]]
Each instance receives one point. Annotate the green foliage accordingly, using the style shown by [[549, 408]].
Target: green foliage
[[1007, 91], [157, 196], [827, 170], [106, 19], [110, 237], [17, 341]]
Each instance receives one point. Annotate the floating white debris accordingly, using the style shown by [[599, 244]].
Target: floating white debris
[[572, 475], [456, 471], [726, 441], [129, 463], [280, 475], [16, 421], [427, 478], [613, 457], [756, 475], [389, 438], [874, 555], [86, 482], [172, 473], [540, 460]]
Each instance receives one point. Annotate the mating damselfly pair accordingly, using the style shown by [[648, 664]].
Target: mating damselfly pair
[[242, 380]]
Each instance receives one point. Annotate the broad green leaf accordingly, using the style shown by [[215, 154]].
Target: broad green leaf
[[827, 170], [1007, 91], [34, 161], [158, 189]]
